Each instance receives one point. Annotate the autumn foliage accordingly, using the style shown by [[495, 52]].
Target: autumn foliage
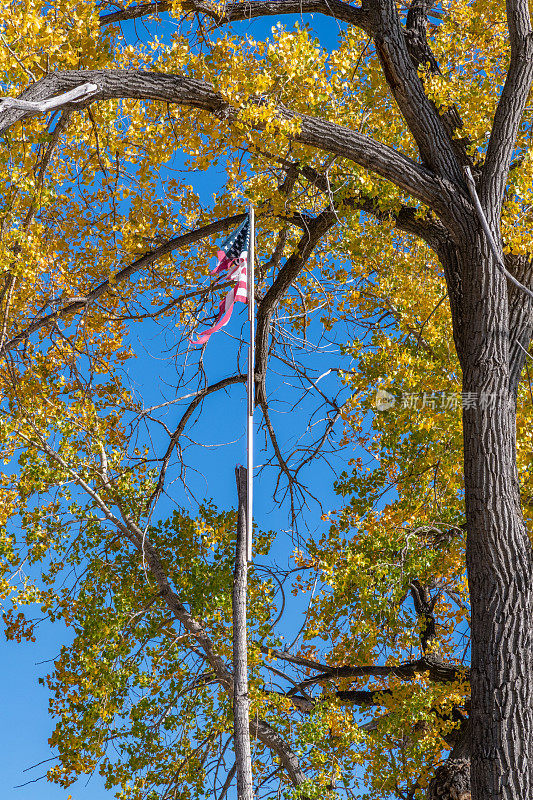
[[97, 530]]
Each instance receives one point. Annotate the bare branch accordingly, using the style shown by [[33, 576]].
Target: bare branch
[[437, 670], [79, 93], [174, 439], [288, 273]]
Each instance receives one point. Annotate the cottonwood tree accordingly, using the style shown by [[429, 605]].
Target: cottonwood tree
[[355, 160]]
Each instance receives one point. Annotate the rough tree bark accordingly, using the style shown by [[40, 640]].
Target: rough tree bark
[[241, 720], [498, 549]]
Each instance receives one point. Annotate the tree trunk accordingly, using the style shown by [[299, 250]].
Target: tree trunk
[[241, 721], [498, 549]]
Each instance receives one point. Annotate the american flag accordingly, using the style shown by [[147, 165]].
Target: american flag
[[232, 257]]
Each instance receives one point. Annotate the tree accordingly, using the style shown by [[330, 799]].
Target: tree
[[355, 161]]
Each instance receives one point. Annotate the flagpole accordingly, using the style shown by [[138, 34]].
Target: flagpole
[[250, 386]]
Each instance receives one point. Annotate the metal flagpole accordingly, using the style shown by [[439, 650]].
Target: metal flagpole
[[250, 389]]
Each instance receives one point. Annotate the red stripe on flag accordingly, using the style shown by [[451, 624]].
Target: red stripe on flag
[[237, 269]]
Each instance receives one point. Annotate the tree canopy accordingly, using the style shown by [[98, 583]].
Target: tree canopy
[[390, 366]]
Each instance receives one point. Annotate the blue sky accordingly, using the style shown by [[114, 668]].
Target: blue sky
[[25, 724]]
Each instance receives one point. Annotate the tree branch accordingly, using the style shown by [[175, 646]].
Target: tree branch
[[299, 660], [406, 219], [437, 672], [416, 35], [509, 111], [250, 9], [420, 114], [287, 274], [439, 193], [200, 396], [424, 605], [73, 305]]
